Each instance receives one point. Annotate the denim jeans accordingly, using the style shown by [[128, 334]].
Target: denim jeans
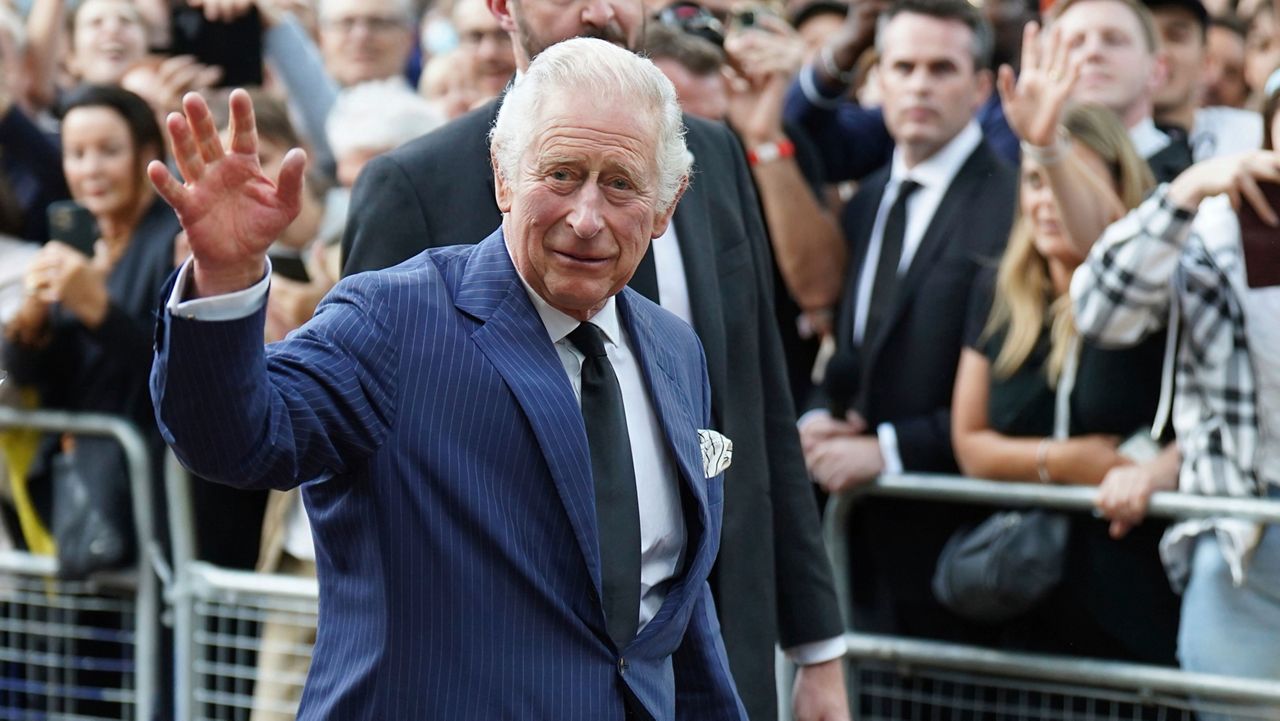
[[1229, 630]]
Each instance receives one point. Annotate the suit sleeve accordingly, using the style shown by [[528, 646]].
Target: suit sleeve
[[305, 408], [807, 607], [383, 191], [854, 139]]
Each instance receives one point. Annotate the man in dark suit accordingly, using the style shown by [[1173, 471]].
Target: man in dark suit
[[918, 230], [772, 580], [515, 497]]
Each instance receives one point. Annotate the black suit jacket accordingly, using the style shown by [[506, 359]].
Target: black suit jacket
[[907, 370], [771, 580]]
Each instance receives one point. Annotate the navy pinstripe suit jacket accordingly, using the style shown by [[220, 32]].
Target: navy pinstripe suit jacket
[[453, 503]]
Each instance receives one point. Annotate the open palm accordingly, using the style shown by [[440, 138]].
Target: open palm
[[230, 210], [1034, 102]]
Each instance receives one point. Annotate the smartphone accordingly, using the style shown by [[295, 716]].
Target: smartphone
[[1260, 242], [234, 46], [73, 224]]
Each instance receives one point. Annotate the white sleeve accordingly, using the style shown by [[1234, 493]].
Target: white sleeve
[[229, 306]]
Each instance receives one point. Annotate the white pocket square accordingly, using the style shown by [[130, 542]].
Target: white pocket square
[[717, 452]]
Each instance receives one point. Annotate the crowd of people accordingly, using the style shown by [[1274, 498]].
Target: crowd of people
[[1014, 242]]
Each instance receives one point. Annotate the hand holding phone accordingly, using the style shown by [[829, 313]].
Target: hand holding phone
[[73, 224]]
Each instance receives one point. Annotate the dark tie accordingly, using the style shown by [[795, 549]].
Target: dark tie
[[645, 280], [617, 508], [885, 286]]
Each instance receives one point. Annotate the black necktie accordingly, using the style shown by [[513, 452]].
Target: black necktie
[[617, 507], [645, 279], [885, 286]]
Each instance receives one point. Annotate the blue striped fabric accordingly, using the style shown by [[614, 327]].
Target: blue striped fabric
[[451, 496]]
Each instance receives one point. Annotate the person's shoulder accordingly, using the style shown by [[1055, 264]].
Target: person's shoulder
[[415, 275]]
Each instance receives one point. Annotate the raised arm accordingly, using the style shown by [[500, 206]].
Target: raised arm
[[311, 406], [231, 211], [1033, 106]]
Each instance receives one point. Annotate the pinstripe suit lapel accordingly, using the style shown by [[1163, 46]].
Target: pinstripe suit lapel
[[515, 341]]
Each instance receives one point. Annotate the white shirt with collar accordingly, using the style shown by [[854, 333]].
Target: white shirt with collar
[[662, 530], [1147, 138]]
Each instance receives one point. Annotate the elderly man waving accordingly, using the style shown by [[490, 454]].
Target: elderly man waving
[[514, 501]]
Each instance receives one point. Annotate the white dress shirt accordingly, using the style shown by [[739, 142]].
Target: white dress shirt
[[662, 530], [1147, 138]]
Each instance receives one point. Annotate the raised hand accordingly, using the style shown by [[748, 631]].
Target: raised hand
[[230, 210], [1033, 103], [1237, 176]]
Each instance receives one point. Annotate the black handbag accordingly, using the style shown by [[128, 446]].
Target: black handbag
[[92, 521], [1002, 567]]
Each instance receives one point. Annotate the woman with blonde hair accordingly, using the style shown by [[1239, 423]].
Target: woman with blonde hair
[[1034, 403]]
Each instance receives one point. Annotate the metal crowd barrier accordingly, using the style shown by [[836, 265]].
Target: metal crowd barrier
[[81, 650], [900, 678], [227, 625]]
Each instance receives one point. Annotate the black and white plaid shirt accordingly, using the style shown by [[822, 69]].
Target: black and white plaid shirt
[[1161, 266]]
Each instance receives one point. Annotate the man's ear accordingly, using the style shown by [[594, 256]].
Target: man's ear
[[501, 10], [501, 187], [663, 219]]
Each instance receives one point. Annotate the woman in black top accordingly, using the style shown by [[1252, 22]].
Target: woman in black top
[[1114, 601], [83, 337]]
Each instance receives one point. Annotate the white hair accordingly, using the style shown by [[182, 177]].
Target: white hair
[[611, 75], [378, 115]]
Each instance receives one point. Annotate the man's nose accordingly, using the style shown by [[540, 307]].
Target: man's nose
[[586, 217], [597, 13]]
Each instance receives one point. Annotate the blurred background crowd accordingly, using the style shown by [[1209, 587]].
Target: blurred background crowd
[[1010, 241]]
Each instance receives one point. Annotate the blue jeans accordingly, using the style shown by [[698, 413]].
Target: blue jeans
[[1228, 630]]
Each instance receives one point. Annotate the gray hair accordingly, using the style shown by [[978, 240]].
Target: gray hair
[[378, 115], [611, 74]]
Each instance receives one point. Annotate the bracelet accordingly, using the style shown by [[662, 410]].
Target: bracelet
[[1042, 460], [1048, 154], [767, 152], [831, 70]]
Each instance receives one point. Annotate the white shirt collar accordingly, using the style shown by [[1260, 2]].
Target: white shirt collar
[[941, 167], [1147, 138], [560, 324]]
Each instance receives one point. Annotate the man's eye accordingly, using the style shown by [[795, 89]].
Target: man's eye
[[561, 175], [620, 184]]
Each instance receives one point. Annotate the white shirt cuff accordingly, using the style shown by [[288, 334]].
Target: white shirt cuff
[[808, 654], [888, 437], [229, 306], [810, 416]]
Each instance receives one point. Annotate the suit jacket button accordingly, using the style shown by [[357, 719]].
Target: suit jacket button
[[622, 666]]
